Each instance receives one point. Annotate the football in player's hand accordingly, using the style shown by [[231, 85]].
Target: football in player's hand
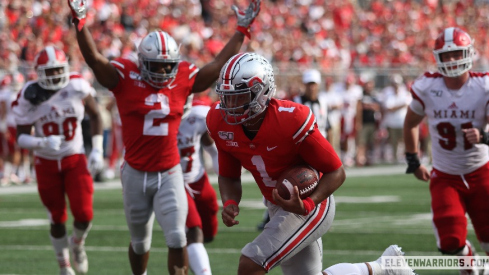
[[303, 176]]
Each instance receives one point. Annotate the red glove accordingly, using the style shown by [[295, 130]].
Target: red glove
[[78, 12], [246, 17]]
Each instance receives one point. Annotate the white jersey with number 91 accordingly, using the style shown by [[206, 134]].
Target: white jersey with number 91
[[449, 112]]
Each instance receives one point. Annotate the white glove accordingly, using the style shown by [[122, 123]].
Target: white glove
[[95, 162], [78, 11], [246, 18], [53, 142]]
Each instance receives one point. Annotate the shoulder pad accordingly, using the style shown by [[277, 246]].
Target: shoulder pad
[[36, 95]]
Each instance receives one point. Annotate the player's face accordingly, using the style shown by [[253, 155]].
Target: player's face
[[452, 56], [54, 72], [160, 67], [238, 102]]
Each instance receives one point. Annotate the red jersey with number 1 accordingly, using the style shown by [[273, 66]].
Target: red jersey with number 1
[[150, 116], [288, 135]]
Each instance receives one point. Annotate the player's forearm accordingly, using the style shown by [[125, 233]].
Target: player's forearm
[[102, 69], [328, 184], [230, 189]]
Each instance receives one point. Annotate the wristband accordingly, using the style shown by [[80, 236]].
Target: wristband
[[484, 137], [308, 205], [98, 142], [228, 202], [245, 31], [413, 162]]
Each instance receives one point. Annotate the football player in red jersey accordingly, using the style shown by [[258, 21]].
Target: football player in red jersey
[[150, 94], [266, 136], [55, 105], [455, 102]]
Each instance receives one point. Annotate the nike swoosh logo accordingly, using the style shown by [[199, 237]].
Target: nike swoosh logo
[[171, 87], [270, 149]]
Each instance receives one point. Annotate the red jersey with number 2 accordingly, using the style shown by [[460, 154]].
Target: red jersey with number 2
[[150, 116]]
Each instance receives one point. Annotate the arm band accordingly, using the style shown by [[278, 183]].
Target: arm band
[[484, 137], [30, 142], [97, 142], [308, 205], [228, 202], [413, 162]]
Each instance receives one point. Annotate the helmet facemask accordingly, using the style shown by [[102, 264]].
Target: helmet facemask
[[49, 81]]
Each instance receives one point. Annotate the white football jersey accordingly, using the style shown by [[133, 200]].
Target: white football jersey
[[7, 95], [449, 112], [61, 114], [190, 132]]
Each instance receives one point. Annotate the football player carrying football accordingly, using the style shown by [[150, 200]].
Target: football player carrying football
[[455, 101], [150, 94], [266, 136], [55, 105]]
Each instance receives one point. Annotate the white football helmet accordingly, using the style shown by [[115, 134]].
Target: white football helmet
[[52, 58], [454, 39], [245, 86], [158, 47]]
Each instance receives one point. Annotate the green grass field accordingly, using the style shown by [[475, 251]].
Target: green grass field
[[372, 213]]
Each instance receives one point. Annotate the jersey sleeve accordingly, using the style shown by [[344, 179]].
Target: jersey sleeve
[[82, 87], [417, 104], [122, 66], [229, 166], [306, 124], [21, 108], [190, 73], [319, 153]]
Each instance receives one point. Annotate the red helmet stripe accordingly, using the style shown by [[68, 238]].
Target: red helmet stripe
[[162, 37], [230, 65]]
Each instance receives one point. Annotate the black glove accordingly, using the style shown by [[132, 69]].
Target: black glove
[[484, 137]]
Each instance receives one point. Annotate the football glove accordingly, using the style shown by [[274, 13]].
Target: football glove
[[53, 142], [78, 11], [246, 17], [95, 162]]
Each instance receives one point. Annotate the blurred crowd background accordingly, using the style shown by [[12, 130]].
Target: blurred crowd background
[[365, 44]]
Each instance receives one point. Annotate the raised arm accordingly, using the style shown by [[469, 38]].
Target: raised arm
[[210, 72], [105, 73]]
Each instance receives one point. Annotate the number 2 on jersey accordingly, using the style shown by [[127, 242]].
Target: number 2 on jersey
[[153, 120]]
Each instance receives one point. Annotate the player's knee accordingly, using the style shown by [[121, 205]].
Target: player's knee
[[451, 245], [141, 247], [195, 235], [176, 239], [58, 216]]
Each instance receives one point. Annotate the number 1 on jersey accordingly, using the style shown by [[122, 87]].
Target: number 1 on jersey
[[260, 166]]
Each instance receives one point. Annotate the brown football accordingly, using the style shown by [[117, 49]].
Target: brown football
[[303, 176]]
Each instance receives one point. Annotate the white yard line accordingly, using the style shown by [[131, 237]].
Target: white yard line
[[246, 178]]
